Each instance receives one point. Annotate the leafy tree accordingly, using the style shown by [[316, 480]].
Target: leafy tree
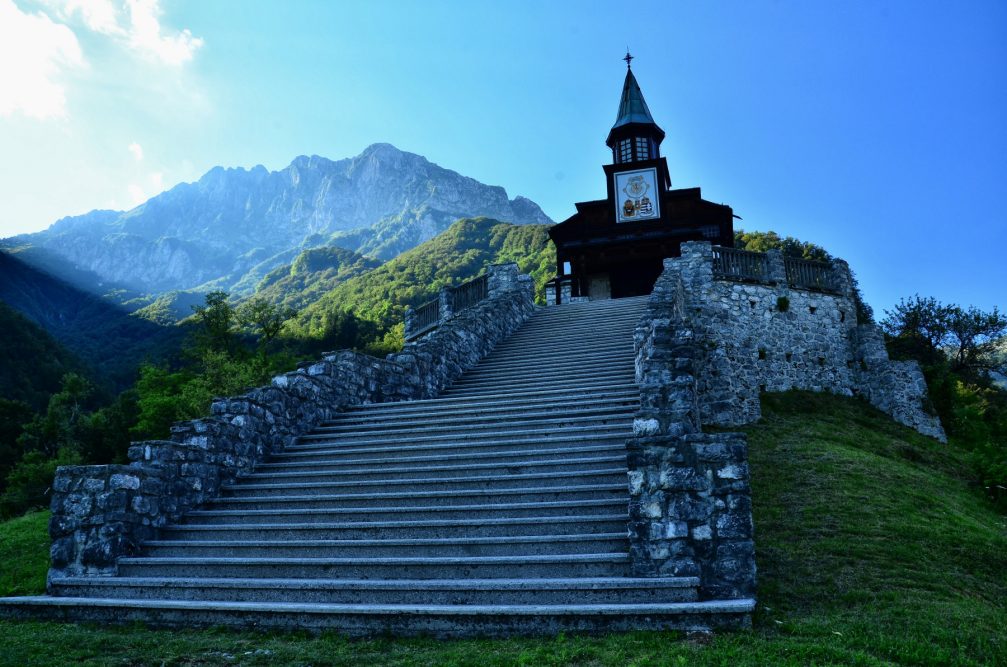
[[62, 425], [159, 401], [216, 323], [264, 320], [929, 331], [957, 348], [976, 336], [13, 416], [789, 246]]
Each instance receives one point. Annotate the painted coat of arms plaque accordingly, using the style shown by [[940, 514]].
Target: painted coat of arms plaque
[[636, 195]]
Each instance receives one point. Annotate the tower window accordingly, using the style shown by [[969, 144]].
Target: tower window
[[642, 148], [626, 150]]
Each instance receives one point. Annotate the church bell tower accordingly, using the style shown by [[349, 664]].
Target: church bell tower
[[615, 247]]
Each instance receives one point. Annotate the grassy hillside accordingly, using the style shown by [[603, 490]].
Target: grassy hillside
[[461, 252], [872, 546]]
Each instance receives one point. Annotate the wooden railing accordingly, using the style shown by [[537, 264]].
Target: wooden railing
[[739, 264], [469, 294], [809, 274], [425, 317]]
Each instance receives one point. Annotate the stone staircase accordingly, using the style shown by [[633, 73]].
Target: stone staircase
[[498, 508]]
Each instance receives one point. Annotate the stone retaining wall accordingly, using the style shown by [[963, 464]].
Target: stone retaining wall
[[690, 510], [100, 513], [767, 336]]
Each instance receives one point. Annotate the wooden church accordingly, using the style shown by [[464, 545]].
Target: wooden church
[[614, 247]]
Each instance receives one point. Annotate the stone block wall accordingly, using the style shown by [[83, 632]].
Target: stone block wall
[[103, 512], [767, 336], [690, 510]]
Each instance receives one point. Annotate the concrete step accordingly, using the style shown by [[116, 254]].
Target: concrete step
[[533, 416], [619, 370], [554, 372], [504, 433], [423, 498], [450, 528], [616, 446], [460, 510], [584, 386], [510, 545], [407, 411], [447, 567], [504, 399], [571, 379], [587, 590], [399, 620], [412, 472], [565, 354], [510, 443], [250, 489]]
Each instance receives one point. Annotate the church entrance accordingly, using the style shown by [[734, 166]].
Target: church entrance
[[636, 279]]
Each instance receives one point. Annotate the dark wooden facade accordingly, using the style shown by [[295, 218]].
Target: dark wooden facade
[[600, 256]]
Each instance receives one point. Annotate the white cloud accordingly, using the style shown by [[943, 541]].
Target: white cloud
[[146, 36], [34, 54], [137, 151], [99, 15], [136, 23], [157, 181]]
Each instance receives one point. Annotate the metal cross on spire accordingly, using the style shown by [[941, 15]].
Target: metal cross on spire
[[628, 59]]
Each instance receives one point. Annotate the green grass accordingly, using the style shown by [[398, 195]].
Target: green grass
[[873, 548], [24, 555]]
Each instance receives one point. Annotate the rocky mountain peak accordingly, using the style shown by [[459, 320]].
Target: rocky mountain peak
[[233, 220]]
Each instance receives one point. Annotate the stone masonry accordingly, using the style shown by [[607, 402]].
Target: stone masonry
[[102, 512], [769, 336], [690, 510]]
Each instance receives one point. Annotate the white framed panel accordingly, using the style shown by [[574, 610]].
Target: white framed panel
[[636, 195]]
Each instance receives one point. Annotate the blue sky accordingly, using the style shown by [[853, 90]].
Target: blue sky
[[876, 129]]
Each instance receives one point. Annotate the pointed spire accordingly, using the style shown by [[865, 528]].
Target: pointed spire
[[632, 106]]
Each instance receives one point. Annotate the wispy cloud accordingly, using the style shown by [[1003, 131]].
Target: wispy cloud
[[147, 36], [136, 24], [137, 151], [35, 53]]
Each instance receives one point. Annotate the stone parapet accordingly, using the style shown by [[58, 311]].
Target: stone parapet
[[103, 512]]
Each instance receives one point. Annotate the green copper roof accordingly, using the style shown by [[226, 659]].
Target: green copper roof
[[632, 107]]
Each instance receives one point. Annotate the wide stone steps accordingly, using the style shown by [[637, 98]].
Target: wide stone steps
[[472, 424], [413, 412], [585, 590], [563, 478], [469, 496], [395, 474], [468, 420], [503, 400], [579, 379], [503, 433], [475, 445], [498, 508], [604, 446], [369, 530], [403, 619], [531, 565], [557, 372], [459, 510], [506, 545]]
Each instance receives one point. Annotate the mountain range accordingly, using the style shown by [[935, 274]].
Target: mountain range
[[230, 228]]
